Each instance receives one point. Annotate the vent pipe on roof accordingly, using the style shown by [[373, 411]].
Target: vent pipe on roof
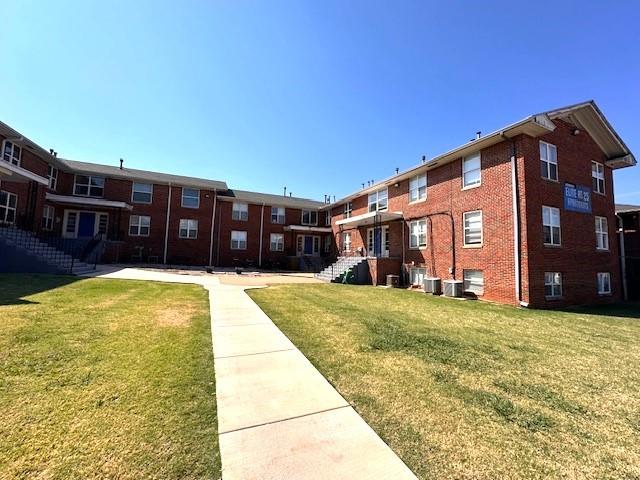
[[424, 158], [289, 194], [363, 185], [285, 191], [121, 162], [478, 133], [397, 170]]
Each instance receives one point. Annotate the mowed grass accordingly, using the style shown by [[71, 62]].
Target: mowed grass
[[464, 389], [108, 379]]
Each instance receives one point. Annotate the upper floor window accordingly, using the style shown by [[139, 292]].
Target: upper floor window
[[602, 233], [348, 209], [188, 228], [548, 161], [327, 218], [88, 186], [8, 203], [597, 175], [604, 283], [240, 211], [418, 188], [309, 217], [139, 225], [418, 234], [471, 171], [11, 152], [190, 197], [472, 228], [379, 200], [52, 175], [277, 242], [277, 214], [551, 225], [141, 192], [238, 240]]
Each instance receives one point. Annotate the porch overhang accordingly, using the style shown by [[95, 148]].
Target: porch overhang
[[369, 219], [13, 173], [306, 228], [87, 202]]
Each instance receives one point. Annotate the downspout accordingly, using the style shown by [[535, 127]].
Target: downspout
[[261, 228], [166, 227], [213, 222], [623, 258], [516, 224], [404, 258]]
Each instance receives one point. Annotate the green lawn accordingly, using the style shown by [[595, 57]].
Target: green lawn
[[464, 389], [105, 379]]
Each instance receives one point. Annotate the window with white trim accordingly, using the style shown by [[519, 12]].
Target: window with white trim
[[139, 225], [88, 186], [190, 197], [416, 275], [277, 242], [602, 233], [240, 211], [348, 209], [597, 176], [548, 161], [327, 218], [141, 192], [552, 284], [418, 188], [379, 200], [188, 228], [328, 239], [472, 228], [8, 202], [471, 171], [346, 241], [604, 283], [551, 226], [418, 234], [52, 175], [48, 213], [238, 240], [473, 281], [277, 215], [309, 217], [11, 152]]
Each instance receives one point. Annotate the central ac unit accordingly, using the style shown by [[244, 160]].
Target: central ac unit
[[432, 285], [453, 288]]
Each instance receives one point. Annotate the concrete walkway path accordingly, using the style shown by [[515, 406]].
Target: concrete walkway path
[[278, 417]]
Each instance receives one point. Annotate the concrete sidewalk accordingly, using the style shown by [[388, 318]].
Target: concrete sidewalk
[[278, 417]]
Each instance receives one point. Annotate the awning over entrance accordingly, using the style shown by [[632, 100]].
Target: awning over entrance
[[87, 202], [13, 173], [306, 228], [369, 219]]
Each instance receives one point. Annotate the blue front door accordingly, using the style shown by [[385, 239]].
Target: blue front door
[[86, 224], [308, 245]]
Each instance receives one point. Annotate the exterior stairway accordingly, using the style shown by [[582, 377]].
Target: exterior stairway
[[34, 255], [337, 269]]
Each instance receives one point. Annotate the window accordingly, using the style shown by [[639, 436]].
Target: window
[[416, 275], [418, 188], [551, 225], [597, 175], [11, 152], [277, 214], [418, 234], [328, 239], [103, 218], [141, 192], [88, 186], [188, 228], [348, 209], [473, 281], [277, 242], [52, 175], [602, 233], [190, 197], [139, 225], [346, 241], [327, 218], [70, 229], [472, 228], [8, 202], [378, 201], [552, 284], [309, 217], [240, 212], [471, 171], [47, 217], [238, 240], [604, 283], [548, 161]]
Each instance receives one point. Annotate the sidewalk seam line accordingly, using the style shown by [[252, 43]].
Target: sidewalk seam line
[[256, 353]]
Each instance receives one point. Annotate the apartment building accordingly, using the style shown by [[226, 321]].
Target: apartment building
[[629, 238]]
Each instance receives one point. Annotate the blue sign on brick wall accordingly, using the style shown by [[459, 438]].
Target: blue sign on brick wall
[[577, 198]]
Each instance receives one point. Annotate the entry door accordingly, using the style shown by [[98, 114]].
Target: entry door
[[378, 242], [308, 245], [86, 224]]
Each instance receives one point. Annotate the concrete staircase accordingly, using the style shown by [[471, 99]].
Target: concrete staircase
[[24, 251], [337, 269]]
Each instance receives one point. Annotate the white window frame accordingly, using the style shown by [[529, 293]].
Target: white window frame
[[310, 213], [384, 239], [556, 287], [418, 234], [548, 157], [471, 285], [189, 226], [279, 217], [48, 217], [600, 277], [346, 241], [11, 157], [139, 222], [602, 233], [597, 178], [89, 185], [276, 242], [6, 207], [134, 190], [376, 200], [417, 272], [467, 229], [418, 188], [192, 196], [553, 213], [348, 209], [466, 171], [238, 240], [240, 212], [52, 175], [327, 219]]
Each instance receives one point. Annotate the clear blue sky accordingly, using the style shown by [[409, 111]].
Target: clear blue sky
[[319, 96]]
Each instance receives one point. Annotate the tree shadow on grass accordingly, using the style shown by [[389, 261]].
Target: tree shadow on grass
[[14, 287], [624, 310]]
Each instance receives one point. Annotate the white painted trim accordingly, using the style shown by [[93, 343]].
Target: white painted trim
[[166, 228]]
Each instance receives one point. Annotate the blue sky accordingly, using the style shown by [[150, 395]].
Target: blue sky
[[317, 96]]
